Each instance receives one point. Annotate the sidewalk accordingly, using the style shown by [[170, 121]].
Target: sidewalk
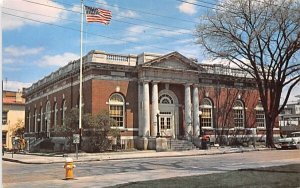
[[41, 158]]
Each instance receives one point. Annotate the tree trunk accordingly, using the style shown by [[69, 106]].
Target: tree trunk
[[269, 134]]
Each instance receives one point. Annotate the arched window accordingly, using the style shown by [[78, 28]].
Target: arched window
[[63, 112], [206, 118], [165, 99], [117, 109], [260, 116], [238, 111], [55, 115]]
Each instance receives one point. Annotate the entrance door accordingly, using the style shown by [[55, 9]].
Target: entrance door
[[166, 122]]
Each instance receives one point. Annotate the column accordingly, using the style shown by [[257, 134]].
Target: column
[[187, 111], [196, 111], [154, 109], [146, 111], [140, 108]]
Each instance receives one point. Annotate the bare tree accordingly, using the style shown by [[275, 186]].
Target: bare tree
[[263, 39]]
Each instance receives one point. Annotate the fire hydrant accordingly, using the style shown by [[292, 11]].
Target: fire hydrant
[[69, 168]]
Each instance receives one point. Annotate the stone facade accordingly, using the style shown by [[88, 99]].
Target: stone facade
[[143, 91]]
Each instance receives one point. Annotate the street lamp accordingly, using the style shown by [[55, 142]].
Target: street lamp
[[157, 124], [200, 126]]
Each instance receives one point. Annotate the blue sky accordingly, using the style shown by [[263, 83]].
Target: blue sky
[[43, 35]]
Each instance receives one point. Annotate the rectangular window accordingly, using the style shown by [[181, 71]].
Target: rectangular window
[[260, 118], [4, 134], [4, 117], [116, 113], [238, 118], [206, 120], [162, 123]]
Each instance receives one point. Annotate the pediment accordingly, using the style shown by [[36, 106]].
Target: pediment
[[174, 61]]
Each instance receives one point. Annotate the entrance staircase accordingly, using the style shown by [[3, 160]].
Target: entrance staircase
[[180, 145]]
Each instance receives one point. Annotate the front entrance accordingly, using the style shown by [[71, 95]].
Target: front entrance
[[166, 122], [168, 114]]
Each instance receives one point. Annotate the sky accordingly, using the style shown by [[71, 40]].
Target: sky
[[39, 36]]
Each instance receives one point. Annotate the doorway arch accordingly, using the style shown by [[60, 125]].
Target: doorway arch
[[168, 114]]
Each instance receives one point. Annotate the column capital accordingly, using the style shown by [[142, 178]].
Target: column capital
[[187, 84], [155, 81], [196, 85], [144, 81]]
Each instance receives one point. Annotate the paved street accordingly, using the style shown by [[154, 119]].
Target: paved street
[[112, 172]]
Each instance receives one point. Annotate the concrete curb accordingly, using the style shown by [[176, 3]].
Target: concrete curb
[[126, 156]]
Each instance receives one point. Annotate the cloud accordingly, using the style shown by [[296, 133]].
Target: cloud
[[15, 85], [174, 32], [15, 55], [117, 13], [19, 51], [30, 11], [188, 8], [133, 30], [57, 60]]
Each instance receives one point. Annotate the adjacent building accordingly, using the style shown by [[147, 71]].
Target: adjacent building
[[289, 118], [148, 95], [13, 115]]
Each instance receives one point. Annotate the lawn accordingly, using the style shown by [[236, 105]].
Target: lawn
[[280, 176]]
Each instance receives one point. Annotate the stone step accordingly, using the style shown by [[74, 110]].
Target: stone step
[[181, 145]]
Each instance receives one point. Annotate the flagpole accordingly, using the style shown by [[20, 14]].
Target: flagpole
[[80, 76]]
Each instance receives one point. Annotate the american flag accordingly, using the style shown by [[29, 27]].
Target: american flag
[[97, 15]]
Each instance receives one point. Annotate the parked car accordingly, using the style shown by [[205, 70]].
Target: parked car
[[291, 141]]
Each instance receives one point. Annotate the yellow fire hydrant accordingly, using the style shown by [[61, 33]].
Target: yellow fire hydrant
[[69, 168]]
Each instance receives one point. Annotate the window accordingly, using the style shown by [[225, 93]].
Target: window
[[4, 117], [260, 116], [238, 111], [206, 116], [165, 99], [4, 135], [117, 108]]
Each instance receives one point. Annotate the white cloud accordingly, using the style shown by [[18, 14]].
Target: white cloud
[[30, 11], [19, 51], [120, 13], [57, 60], [127, 14], [188, 8], [15, 85], [16, 54], [133, 30], [174, 32], [295, 92]]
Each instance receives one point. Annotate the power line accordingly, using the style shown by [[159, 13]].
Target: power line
[[144, 12], [95, 34], [119, 20], [160, 36], [40, 14]]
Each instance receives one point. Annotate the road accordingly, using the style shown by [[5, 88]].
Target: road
[[105, 173]]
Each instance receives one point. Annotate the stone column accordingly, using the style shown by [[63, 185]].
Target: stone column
[[140, 110], [146, 111], [196, 111], [187, 111], [154, 109]]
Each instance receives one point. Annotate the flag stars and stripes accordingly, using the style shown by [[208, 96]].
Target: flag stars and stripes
[[97, 15]]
